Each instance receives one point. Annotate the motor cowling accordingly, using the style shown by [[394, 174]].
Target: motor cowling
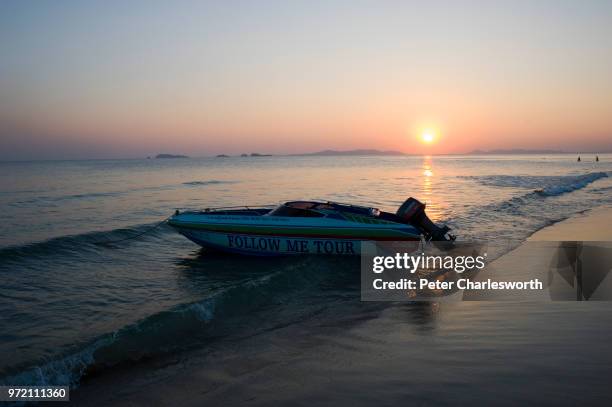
[[413, 212]]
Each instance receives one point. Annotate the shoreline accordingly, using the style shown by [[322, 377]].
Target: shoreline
[[538, 257], [582, 226], [212, 372]]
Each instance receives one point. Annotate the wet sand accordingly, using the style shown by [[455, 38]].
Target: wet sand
[[544, 257], [481, 353], [594, 225]]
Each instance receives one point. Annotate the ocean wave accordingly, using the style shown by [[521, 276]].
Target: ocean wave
[[561, 186], [282, 294], [178, 328], [157, 333], [209, 182], [521, 215], [50, 200], [81, 243], [571, 184], [548, 185]]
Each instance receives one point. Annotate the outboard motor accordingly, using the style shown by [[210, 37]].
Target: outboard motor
[[412, 211]]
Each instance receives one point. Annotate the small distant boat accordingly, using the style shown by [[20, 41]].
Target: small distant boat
[[305, 227]]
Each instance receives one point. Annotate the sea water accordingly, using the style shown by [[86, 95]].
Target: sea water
[[70, 305]]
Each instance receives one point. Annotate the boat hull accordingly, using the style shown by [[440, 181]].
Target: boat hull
[[273, 236], [268, 245]]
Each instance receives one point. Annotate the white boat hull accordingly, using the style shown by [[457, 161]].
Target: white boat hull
[[266, 245]]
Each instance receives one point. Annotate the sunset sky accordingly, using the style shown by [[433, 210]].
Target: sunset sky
[[130, 78]]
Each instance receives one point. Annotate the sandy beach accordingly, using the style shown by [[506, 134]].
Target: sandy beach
[[593, 225], [381, 354], [539, 257]]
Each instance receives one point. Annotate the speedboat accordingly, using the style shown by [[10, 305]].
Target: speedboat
[[305, 227]]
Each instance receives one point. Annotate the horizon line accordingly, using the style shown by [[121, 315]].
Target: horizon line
[[321, 153]]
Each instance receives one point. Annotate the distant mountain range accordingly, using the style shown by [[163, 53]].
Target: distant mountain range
[[375, 152], [355, 152], [517, 151]]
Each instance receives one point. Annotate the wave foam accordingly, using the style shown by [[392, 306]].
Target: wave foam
[[545, 185], [572, 184], [162, 332], [74, 244]]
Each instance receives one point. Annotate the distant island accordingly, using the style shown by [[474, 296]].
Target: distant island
[[354, 152], [244, 155], [375, 152], [517, 151], [170, 156]]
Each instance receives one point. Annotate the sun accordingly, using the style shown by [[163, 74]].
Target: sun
[[428, 136]]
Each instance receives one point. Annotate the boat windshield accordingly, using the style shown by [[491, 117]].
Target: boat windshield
[[298, 210]]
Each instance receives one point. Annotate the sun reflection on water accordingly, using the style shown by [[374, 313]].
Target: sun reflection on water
[[427, 189]]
